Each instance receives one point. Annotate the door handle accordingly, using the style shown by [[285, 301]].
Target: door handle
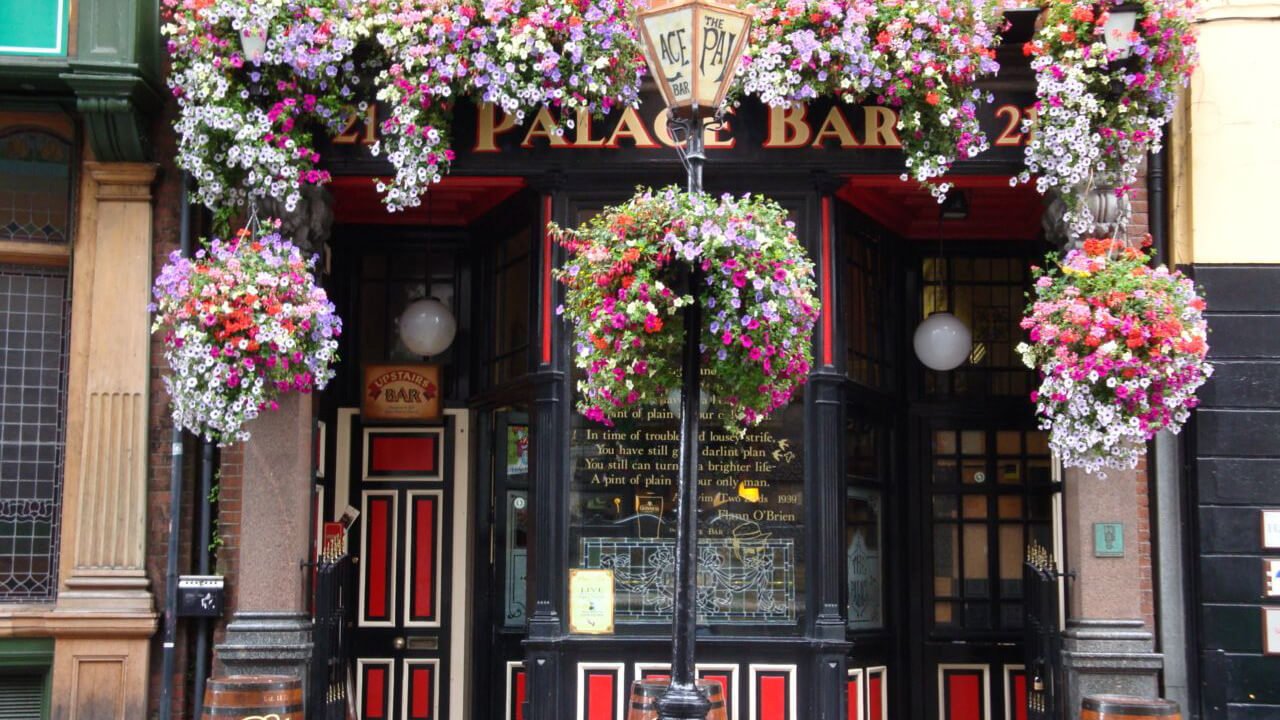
[[398, 643]]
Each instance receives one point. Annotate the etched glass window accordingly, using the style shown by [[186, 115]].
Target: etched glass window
[[864, 559], [34, 312], [866, 474], [35, 187], [750, 517]]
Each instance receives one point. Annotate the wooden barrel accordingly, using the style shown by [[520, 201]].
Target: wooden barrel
[[253, 697], [1126, 707], [645, 693]]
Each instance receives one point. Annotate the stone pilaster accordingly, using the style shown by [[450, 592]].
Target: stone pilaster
[[1107, 648], [271, 629], [105, 611]]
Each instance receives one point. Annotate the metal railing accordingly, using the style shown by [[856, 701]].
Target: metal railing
[[327, 696], [1043, 634]]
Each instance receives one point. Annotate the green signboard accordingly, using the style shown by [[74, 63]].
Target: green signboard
[[33, 27]]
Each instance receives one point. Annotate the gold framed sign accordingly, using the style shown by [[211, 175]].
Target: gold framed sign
[[401, 393], [590, 601]]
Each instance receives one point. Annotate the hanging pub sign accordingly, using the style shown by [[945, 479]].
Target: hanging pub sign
[[401, 393]]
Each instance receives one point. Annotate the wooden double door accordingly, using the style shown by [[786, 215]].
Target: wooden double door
[[409, 485]]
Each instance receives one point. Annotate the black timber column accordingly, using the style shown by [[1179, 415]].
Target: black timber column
[[549, 437], [824, 466]]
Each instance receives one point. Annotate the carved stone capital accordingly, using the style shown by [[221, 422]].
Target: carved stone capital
[[1110, 213]]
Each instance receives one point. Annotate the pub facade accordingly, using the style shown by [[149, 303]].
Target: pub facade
[[898, 542], [862, 554]]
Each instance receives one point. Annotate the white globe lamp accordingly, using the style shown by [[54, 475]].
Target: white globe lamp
[[942, 342], [427, 327]]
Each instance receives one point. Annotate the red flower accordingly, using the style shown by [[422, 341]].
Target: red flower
[[932, 98]]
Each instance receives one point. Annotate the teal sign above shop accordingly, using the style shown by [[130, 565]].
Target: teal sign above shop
[[33, 27]]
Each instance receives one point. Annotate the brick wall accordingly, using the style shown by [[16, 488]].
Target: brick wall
[[165, 233], [166, 194], [1139, 226]]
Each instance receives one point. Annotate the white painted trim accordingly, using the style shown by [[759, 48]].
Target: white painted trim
[[342, 462], [407, 666], [408, 551], [860, 712], [390, 664], [1008, 686], [402, 430], [642, 666], [391, 550], [883, 671], [512, 666], [60, 31], [317, 507], [322, 446], [732, 670], [755, 669], [461, 617], [619, 691], [986, 687], [1058, 522]]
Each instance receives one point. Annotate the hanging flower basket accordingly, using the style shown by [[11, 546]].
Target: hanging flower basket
[[1120, 347], [1101, 106], [920, 58], [244, 322], [624, 279], [257, 80]]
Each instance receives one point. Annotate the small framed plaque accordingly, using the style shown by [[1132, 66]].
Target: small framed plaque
[[1271, 631], [1271, 529], [1108, 539], [590, 601]]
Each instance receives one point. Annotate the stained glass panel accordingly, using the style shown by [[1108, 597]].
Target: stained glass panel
[[35, 187], [33, 353]]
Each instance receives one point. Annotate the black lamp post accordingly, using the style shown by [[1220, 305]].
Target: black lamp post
[[692, 48]]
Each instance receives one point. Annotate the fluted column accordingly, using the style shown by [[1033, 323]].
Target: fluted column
[[105, 611]]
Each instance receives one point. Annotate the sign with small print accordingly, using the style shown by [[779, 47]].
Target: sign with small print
[[1271, 529], [1271, 630], [401, 393], [590, 601], [1271, 577], [1108, 539]]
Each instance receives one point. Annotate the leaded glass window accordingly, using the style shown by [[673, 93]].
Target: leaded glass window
[[34, 314], [988, 295], [35, 187], [990, 493]]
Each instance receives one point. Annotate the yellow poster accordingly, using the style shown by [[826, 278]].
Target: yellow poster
[[591, 602]]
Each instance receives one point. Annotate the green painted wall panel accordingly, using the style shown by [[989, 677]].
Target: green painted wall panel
[[34, 27]]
